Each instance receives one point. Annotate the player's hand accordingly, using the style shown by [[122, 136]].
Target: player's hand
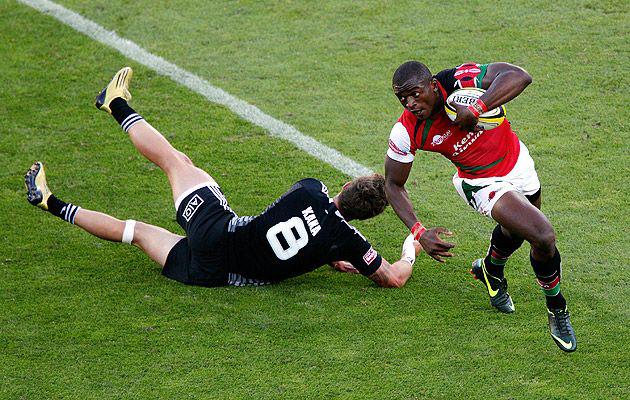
[[466, 119], [433, 244], [344, 266]]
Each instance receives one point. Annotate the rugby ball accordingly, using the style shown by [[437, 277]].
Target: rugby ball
[[488, 120]]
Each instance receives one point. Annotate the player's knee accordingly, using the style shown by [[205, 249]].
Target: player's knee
[[139, 234], [176, 160], [545, 240], [184, 158]]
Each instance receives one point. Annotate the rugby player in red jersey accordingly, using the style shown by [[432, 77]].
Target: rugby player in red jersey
[[495, 175]]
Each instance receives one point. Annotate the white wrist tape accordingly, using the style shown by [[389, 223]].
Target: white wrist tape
[[130, 226], [408, 250]]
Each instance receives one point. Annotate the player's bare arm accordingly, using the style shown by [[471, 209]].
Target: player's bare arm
[[503, 82], [397, 274], [396, 175], [392, 275]]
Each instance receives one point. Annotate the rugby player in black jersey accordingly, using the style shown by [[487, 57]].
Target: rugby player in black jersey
[[301, 231]]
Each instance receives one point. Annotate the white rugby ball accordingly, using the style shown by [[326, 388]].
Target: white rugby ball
[[488, 120]]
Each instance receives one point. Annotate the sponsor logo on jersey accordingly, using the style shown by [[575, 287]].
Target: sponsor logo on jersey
[[469, 70], [369, 256], [439, 139], [192, 206], [395, 149], [466, 75], [492, 194], [465, 142]]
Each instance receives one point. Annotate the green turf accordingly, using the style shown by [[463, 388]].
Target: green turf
[[81, 318]]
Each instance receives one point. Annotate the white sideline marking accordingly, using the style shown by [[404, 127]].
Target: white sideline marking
[[246, 111]]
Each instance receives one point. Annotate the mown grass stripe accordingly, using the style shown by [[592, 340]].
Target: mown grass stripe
[[246, 111]]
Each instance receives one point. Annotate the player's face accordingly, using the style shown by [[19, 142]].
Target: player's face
[[419, 97]]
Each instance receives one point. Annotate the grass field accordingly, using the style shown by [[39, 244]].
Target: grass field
[[86, 319]]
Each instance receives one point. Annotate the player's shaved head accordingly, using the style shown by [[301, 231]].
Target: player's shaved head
[[410, 72], [363, 198]]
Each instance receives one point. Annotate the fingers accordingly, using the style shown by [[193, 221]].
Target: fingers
[[446, 245], [466, 124], [441, 249], [439, 254], [465, 119], [442, 245], [439, 241], [457, 106], [437, 258], [434, 246], [442, 230]]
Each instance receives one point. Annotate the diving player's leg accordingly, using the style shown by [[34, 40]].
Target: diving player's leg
[[154, 241], [181, 172]]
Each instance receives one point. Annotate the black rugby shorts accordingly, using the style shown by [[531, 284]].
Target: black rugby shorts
[[198, 259]]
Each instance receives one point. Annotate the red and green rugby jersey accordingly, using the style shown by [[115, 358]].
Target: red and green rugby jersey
[[475, 154]]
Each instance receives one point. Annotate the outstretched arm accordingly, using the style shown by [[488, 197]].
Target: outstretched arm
[[396, 174], [396, 275]]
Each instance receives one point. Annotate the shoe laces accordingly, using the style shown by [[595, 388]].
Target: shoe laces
[[562, 318]]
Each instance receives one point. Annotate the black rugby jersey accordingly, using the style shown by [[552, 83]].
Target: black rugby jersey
[[299, 232]]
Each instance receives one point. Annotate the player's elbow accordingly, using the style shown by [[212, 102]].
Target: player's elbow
[[393, 188], [392, 284], [523, 77], [396, 282]]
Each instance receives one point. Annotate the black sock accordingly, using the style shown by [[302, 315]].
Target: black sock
[[556, 302], [124, 114], [548, 275], [61, 209], [501, 248]]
